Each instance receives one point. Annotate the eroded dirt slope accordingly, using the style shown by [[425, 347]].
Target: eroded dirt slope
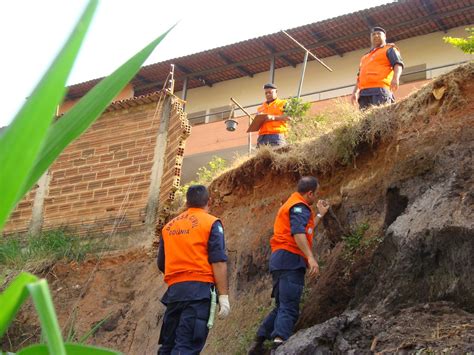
[[410, 184]]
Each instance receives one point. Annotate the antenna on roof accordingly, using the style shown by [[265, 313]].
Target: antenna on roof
[[303, 69], [308, 51]]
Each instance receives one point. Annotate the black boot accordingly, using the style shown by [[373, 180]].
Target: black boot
[[257, 348]]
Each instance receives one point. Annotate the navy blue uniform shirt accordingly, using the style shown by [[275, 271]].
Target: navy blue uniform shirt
[[283, 259], [195, 290]]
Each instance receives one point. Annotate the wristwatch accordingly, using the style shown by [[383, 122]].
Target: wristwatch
[[319, 215]]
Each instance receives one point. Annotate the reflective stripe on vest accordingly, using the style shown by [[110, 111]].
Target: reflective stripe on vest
[[274, 108], [375, 69], [282, 238], [185, 240]]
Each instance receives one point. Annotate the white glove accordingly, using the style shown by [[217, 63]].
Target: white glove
[[224, 306]]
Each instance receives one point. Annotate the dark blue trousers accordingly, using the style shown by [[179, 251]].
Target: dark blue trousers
[[374, 100], [274, 140], [287, 290], [184, 330]]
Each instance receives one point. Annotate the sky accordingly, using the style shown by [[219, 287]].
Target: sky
[[32, 32]]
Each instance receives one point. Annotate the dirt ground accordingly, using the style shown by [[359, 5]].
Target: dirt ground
[[123, 289]]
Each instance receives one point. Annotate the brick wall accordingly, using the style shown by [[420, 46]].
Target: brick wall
[[21, 217], [100, 184]]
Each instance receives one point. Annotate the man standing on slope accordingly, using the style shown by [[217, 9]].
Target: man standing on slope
[[272, 131], [379, 72], [192, 257], [291, 255]]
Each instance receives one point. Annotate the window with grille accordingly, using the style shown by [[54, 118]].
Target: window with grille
[[197, 118], [219, 113], [414, 73]]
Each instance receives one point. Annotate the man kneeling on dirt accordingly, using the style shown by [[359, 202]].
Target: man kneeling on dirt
[[292, 254], [192, 257]]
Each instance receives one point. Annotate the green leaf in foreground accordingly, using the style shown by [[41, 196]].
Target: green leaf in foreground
[[12, 298], [43, 301], [71, 349], [23, 139]]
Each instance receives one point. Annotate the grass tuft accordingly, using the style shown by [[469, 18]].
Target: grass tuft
[[50, 246]]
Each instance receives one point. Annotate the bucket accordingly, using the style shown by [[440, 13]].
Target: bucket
[[231, 125]]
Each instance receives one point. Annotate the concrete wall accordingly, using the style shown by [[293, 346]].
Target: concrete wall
[[111, 179]]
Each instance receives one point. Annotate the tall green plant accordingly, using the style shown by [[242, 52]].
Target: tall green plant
[[30, 144], [15, 295]]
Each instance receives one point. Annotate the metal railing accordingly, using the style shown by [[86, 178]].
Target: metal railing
[[335, 89]]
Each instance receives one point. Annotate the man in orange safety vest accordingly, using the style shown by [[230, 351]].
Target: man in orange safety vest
[[379, 72], [193, 259], [272, 131], [291, 256]]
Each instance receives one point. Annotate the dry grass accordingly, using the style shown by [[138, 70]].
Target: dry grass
[[337, 136]]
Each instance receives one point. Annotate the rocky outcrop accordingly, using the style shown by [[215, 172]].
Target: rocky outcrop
[[423, 266]]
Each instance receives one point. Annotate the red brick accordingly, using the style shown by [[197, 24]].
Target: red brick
[[94, 185], [73, 179], [146, 166], [86, 195], [115, 190], [89, 177], [117, 172], [78, 204], [126, 162], [88, 152], [139, 160], [115, 147], [132, 169], [79, 162], [106, 157], [101, 150], [74, 197], [24, 204], [58, 174], [51, 209], [120, 155], [67, 189], [135, 152], [123, 180], [108, 182], [92, 160], [103, 174], [80, 187], [128, 145], [100, 193], [84, 169]]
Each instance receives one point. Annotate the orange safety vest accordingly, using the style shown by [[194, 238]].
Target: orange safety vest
[[375, 70], [282, 238], [275, 108], [186, 238]]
